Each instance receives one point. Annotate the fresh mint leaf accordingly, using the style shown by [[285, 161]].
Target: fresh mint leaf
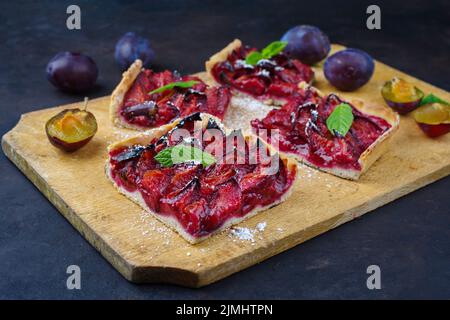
[[340, 120], [179, 84], [268, 52], [182, 153], [273, 49], [253, 58], [431, 98]]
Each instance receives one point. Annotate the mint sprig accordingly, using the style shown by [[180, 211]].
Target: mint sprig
[[253, 58], [340, 120], [182, 153], [170, 86], [431, 98], [268, 52]]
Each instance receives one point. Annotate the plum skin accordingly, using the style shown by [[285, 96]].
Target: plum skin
[[403, 107], [131, 47], [72, 72], [307, 44], [434, 130], [67, 146], [349, 69]]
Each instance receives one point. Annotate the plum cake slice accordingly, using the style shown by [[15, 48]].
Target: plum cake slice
[[145, 99], [198, 177], [271, 81], [308, 128]]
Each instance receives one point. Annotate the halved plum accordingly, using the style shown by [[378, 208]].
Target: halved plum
[[71, 129], [401, 95], [435, 113], [433, 119]]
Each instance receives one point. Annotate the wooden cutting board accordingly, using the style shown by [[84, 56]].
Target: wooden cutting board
[[144, 250]]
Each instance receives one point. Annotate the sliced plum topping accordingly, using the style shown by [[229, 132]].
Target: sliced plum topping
[[183, 176], [254, 181], [226, 204], [218, 99], [156, 99], [275, 77], [146, 162], [152, 186], [127, 176], [193, 216], [281, 90], [251, 85], [174, 202], [147, 108], [214, 176]]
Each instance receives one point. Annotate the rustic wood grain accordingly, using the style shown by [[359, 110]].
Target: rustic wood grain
[[144, 250]]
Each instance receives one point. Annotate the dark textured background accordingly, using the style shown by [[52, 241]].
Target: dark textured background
[[409, 239]]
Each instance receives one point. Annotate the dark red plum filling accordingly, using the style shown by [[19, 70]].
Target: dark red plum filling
[[150, 111], [200, 198], [302, 128], [276, 78]]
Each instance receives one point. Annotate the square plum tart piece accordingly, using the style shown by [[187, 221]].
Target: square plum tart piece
[[197, 198], [303, 132]]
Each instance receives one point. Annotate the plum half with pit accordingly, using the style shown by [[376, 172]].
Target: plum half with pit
[[71, 129], [401, 95]]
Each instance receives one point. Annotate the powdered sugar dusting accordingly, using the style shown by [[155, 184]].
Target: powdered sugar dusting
[[243, 233], [261, 226], [328, 182], [248, 234], [152, 227], [241, 110]]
